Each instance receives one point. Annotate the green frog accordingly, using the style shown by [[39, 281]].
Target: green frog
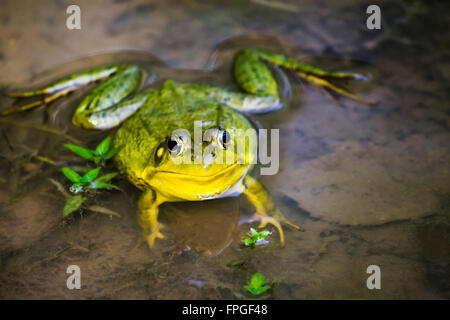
[[149, 118]]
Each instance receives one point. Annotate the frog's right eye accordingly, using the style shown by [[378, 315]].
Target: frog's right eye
[[175, 146], [224, 139]]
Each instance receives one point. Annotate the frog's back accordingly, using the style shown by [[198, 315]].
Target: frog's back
[[178, 106]]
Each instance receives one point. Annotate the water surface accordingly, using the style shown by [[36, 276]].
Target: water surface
[[370, 185]]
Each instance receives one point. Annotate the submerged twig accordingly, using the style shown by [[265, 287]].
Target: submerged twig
[[5, 136], [57, 253], [46, 160], [104, 211], [60, 188], [41, 128], [277, 5]]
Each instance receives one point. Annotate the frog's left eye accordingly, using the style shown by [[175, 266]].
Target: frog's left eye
[[159, 153], [224, 139]]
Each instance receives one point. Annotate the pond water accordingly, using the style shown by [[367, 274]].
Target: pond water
[[370, 185]]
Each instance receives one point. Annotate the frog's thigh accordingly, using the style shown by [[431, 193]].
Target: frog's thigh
[[148, 217], [113, 116], [104, 107], [243, 102]]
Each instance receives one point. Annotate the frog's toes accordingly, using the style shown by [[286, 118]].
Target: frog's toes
[[264, 220], [152, 237], [155, 234]]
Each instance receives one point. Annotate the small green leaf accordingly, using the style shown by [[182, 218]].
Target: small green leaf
[[257, 280], [71, 175], [256, 286], [106, 177], [78, 185], [97, 159], [112, 153], [103, 146], [249, 289], [91, 175], [263, 234], [72, 204], [256, 237], [102, 185], [259, 290], [77, 188], [249, 241], [82, 152]]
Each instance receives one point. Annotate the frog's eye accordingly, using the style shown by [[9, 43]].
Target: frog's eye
[[224, 139], [175, 146], [159, 153]]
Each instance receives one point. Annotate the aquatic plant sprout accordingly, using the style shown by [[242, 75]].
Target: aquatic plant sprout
[[257, 285], [101, 153], [90, 180], [84, 183], [256, 238]]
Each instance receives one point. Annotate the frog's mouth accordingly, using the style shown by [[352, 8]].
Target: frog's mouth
[[192, 186], [200, 175]]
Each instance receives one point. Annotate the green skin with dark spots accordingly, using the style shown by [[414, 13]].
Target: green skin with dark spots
[[149, 117]]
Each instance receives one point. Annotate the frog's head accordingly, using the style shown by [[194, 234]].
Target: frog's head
[[204, 159]]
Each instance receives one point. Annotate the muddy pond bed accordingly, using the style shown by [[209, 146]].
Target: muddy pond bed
[[370, 185]]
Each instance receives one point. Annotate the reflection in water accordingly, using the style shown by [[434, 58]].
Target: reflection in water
[[205, 226]]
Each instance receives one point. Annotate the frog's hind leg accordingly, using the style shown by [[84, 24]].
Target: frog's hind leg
[[60, 88], [110, 103], [105, 106], [106, 116], [266, 211], [253, 75], [325, 84]]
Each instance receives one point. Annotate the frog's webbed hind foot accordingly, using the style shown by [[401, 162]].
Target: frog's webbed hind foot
[[274, 220], [31, 105], [105, 106], [150, 236], [265, 219], [58, 89], [254, 77], [325, 85], [266, 211]]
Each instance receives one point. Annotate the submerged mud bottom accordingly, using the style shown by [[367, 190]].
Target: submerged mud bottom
[[368, 185]]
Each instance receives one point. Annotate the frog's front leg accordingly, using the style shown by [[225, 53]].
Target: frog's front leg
[[148, 207], [266, 210]]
